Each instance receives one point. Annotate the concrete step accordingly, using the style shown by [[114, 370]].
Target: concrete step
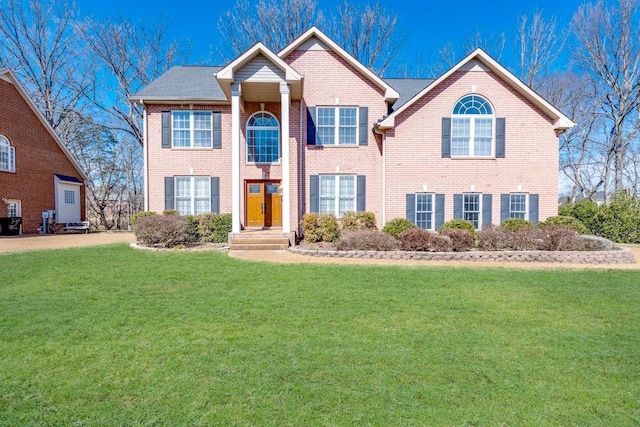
[[259, 240], [262, 240], [238, 246]]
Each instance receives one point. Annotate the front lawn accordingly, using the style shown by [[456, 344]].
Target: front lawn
[[113, 336]]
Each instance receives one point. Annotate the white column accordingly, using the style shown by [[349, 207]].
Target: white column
[[236, 91], [286, 176]]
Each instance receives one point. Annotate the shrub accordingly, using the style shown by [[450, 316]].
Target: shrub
[[366, 240], [320, 228], [596, 243], [567, 221], [585, 210], [461, 240], [358, 221], [214, 228], [620, 219], [416, 239], [192, 222], [494, 239], [525, 239], [161, 231], [167, 212], [458, 224], [222, 225], [397, 226], [513, 224], [560, 238], [139, 215]]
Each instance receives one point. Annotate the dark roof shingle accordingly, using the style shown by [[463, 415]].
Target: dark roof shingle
[[184, 82]]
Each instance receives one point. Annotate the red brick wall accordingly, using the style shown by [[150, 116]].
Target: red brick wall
[[38, 158]]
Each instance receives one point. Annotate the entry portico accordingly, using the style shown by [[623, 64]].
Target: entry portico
[[260, 76]]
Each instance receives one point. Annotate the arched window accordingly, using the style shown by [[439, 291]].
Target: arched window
[[472, 128], [7, 155], [263, 138]]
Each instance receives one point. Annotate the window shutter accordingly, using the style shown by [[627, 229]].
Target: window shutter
[[311, 126], [500, 133], [215, 194], [314, 193], [411, 207], [534, 200], [504, 207], [457, 206], [446, 137], [168, 192], [166, 129], [486, 209], [217, 130], [439, 210], [364, 126], [361, 198]]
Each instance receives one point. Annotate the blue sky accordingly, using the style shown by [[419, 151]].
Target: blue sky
[[430, 24]]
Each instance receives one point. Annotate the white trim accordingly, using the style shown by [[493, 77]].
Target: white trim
[[235, 157], [526, 203], [145, 155], [479, 227], [5, 144], [192, 192], [433, 209], [192, 129], [284, 155], [277, 127], [336, 125], [336, 188]]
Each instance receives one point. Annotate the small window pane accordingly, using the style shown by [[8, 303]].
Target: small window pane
[[69, 197], [471, 209], [424, 211], [518, 206]]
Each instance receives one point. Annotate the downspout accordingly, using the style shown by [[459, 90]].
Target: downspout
[[300, 175], [384, 172], [145, 155]]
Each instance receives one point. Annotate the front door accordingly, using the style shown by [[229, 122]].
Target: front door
[[264, 205]]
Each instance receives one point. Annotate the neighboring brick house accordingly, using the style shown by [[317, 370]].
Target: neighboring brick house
[[270, 137], [37, 172]]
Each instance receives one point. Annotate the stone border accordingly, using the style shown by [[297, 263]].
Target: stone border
[[617, 256]]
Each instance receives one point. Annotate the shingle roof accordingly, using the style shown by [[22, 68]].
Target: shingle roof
[[407, 88], [184, 82]]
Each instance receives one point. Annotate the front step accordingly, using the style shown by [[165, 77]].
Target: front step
[[256, 241]]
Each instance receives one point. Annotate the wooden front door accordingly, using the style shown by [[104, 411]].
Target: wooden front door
[[264, 204]]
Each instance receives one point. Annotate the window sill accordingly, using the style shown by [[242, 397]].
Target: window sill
[[192, 148], [473, 158]]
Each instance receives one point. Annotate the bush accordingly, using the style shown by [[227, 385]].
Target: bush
[[139, 215], [367, 240], [161, 231], [359, 221], [320, 228], [585, 210], [567, 221], [494, 239], [525, 239], [513, 224], [560, 238], [192, 222], [596, 243], [417, 239], [458, 224], [461, 240], [167, 212], [620, 219], [214, 228], [397, 226]]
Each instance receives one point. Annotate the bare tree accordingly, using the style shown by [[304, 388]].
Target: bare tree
[[609, 52]]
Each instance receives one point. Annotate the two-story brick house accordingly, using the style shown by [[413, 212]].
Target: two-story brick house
[[270, 137], [37, 172]]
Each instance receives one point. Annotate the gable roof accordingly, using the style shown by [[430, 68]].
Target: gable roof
[[184, 83], [8, 75], [407, 89], [561, 123], [390, 94]]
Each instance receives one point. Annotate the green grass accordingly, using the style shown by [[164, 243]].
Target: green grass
[[113, 336]]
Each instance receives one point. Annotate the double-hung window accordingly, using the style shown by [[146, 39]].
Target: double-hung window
[[518, 205], [192, 129], [472, 128], [424, 211], [337, 194], [471, 208], [193, 194], [337, 126], [7, 155]]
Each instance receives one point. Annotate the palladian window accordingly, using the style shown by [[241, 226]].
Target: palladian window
[[472, 128], [263, 138]]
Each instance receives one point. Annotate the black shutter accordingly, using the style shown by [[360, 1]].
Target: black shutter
[[217, 130], [166, 129], [504, 207], [314, 193], [446, 137], [500, 138], [457, 206], [486, 210], [411, 207], [215, 194], [168, 192], [439, 210], [534, 200], [364, 126], [311, 126], [361, 198]]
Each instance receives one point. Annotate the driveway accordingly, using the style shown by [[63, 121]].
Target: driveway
[[29, 242]]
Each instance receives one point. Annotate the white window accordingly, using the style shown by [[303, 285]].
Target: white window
[[192, 129], [471, 208], [193, 194], [337, 194], [13, 208], [424, 211], [7, 155], [69, 197], [472, 128], [518, 205], [263, 138], [337, 125]]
